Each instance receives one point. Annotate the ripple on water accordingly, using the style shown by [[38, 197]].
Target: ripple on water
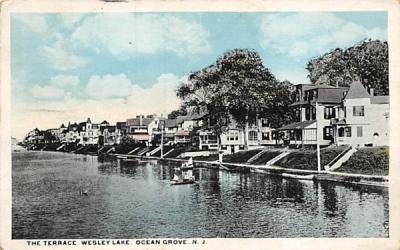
[[137, 201]]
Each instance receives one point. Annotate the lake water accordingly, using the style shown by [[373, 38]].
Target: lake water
[[130, 200]]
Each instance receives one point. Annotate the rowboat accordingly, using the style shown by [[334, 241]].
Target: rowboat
[[297, 176], [186, 174], [127, 159]]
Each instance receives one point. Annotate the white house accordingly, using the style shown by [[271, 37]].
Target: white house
[[365, 120], [343, 116], [143, 128]]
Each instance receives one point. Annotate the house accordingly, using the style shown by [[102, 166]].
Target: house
[[108, 135], [143, 128], [170, 128], [51, 135], [120, 131], [233, 139], [89, 132], [343, 116], [365, 120], [71, 133], [61, 133], [314, 103], [34, 138]]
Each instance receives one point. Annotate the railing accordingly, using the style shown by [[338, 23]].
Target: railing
[[209, 141]]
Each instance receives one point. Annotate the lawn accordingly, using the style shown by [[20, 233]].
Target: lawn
[[240, 157], [307, 159], [373, 161], [212, 157]]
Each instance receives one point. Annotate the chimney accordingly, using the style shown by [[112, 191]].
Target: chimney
[[371, 90]]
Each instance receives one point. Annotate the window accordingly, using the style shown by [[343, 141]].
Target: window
[[252, 136], [266, 136], [233, 135], [328, 133], [313, 113], [307, 114], [358, 110], [329, 112], [264, 122], [359, 131], [348, 131], [341, 132]]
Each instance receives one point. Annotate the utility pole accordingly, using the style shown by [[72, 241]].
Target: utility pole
[[318, 149], [162, 138]]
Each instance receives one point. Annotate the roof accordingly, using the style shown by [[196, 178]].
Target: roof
[[62, 126], [109, 128], [356, 91], [139, 121], [121, 125], [104, 122], [380, 99], [140, 137], [319, 86], [297, 125], [331, 95]]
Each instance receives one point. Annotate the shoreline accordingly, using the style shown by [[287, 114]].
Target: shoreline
[[359, 179], [349, 178]]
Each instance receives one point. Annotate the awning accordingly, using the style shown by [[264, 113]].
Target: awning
[[182, 133], [297, 125]]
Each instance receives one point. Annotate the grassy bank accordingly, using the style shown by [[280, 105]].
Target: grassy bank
[[241, 157], [373, 161], [265, 157], [307, 159]]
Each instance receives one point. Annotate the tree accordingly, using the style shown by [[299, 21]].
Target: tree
[[237, 85], [366, 61], [179, 112], [247, 85], [202, 94]]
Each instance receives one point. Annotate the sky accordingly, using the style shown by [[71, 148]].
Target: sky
[[70, 66]]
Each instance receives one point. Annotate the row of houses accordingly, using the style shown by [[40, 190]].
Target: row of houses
[[327, 114]]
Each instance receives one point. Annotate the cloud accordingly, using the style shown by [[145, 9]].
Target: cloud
[[36, 22], [70, 20], [47, 92], [310, 34], [57, 89], [158, 99], [61, 56], [109, 86], [65, 81], [124, 35]]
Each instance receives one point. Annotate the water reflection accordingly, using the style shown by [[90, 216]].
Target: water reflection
[[130, 199]]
